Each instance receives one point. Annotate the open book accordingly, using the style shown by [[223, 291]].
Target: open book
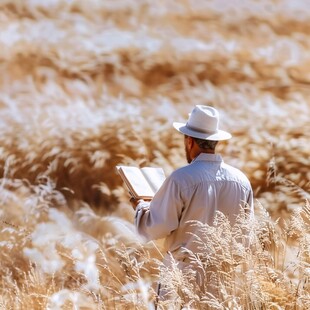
[[143, 182]]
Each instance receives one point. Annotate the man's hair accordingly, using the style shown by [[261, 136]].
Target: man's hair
[[206, 144]]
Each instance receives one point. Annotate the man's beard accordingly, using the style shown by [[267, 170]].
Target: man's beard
[[188, 158]]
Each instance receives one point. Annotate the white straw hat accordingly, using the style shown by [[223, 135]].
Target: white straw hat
[[203, 123]]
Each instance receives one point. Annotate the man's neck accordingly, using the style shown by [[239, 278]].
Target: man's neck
[[208, 151]]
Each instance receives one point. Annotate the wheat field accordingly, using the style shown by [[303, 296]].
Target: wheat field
[[87, 85]]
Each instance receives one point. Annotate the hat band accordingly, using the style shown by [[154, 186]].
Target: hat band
[[199, 129]]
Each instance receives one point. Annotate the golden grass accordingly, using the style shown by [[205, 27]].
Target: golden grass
[[53, 257], [88, 85]]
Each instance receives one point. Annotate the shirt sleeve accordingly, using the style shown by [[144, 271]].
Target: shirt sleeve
[[250, 203], [158, 218]]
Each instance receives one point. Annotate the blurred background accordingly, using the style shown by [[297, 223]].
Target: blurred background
[[87, 85]]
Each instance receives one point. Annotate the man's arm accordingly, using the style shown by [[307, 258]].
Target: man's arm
[[158, 218]]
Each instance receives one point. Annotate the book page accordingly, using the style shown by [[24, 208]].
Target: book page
[[154, 176], [136, 182]]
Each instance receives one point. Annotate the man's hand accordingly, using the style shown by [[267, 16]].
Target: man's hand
[[134, 202]]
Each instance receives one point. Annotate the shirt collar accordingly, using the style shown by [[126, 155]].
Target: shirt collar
[[208, 157]]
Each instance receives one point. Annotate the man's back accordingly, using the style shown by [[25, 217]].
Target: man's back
[[194, 193], [207, 185]]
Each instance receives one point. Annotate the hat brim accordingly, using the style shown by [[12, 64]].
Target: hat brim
[[220, 135]]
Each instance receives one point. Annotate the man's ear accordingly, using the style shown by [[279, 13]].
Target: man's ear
[[190, 142]]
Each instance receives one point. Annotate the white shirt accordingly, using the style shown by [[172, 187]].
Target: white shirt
[[193, 193]]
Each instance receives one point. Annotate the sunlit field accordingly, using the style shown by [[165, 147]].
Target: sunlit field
[[87, 85]]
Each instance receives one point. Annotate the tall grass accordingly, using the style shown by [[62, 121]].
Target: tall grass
[[85, 86], [53, 257]]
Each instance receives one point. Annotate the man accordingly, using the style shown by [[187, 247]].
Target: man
[[196, 191]]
